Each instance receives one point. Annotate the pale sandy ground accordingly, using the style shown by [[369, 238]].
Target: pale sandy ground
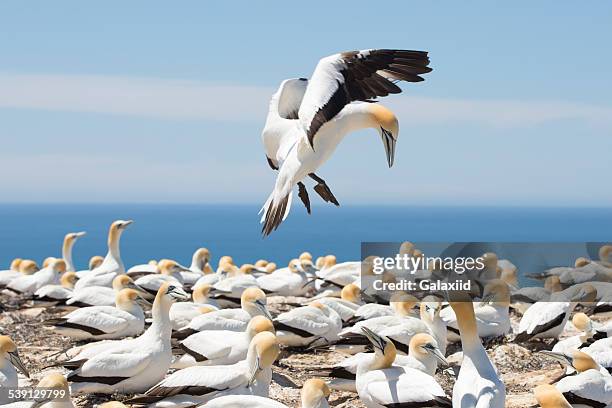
[[521, 368]]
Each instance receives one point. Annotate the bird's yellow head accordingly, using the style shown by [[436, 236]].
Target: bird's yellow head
[[351, 293]]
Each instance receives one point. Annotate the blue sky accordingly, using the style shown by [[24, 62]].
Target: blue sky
[[152, 102]]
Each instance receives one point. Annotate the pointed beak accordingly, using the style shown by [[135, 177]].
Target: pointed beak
[[17, 363], [438, 355], [137, 288], [144, 303], [126, 224], [560, 357], [374, 338], [389, 143], [263, 309], [179, 294]]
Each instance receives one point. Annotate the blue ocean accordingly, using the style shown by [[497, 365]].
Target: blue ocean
[[175, 231]]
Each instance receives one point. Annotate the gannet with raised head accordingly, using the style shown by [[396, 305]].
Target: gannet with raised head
[[548, 319], [29, 284], [101, 295], [220, 347], [477, 385], [132, 365], [195, 385], [10, 363], [379, 384], [253, 303], [306, 325], [126, 319], [310, 118], [112, 265], [199, 267], [58, 293], [69, 241]]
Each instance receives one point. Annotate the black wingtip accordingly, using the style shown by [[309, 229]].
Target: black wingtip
[[274, 216]]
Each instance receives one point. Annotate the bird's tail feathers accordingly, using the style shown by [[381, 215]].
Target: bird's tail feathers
[[274, 212]]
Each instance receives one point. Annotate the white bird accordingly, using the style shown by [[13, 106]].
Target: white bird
[[112, 265], [400, 328], [126, 319], [550, 397], [220, 347], [348, 303], [182, 313], [94, 262], [601, 352], [69, 241], [58, 293], [10, 363], [548, 319], [131, 365], [477, 385], [253, 303], [56, 395], [29, 284], [314, 116], [307, 325], [195, 385], [492, 313], [591, 387], [169, 271], [198, 268], [289, 281], [13, 272], [581, 322], [429, 312], [379, 384], [424, 356], [101, 295]]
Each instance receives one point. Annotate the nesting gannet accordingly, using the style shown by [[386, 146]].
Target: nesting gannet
[[379, 384], [13, 272], [132, 365], [102, 296], [126, 319], [477, 385], [169, 271], [306, 325], [228, 290], [29, 284], [112, 265], [583, 271], [429, 312], [581, 322], [492, 314], [424, 356], [348, 303], [195, 385], [199, 267], [339, 275], [95, 261], [550, 397], [253, 303], [10, 363], [548, 319], [591, 387], [182, 313], [316, 117], [58, 293], [220, 347], [400, 328], [289, 281]]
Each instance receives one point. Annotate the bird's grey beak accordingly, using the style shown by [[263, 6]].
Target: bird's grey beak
[[142, 301], [125, 224], [137, 288], [374, 338], [437, 354], [178, 293], [389, 142], [182, 268], [17, 363], [79, 234], [263, 309]]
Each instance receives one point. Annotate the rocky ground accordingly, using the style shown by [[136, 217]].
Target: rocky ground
[[521, 368]]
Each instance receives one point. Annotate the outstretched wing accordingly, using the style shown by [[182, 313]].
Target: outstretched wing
[[356, 76], [290, 98]]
